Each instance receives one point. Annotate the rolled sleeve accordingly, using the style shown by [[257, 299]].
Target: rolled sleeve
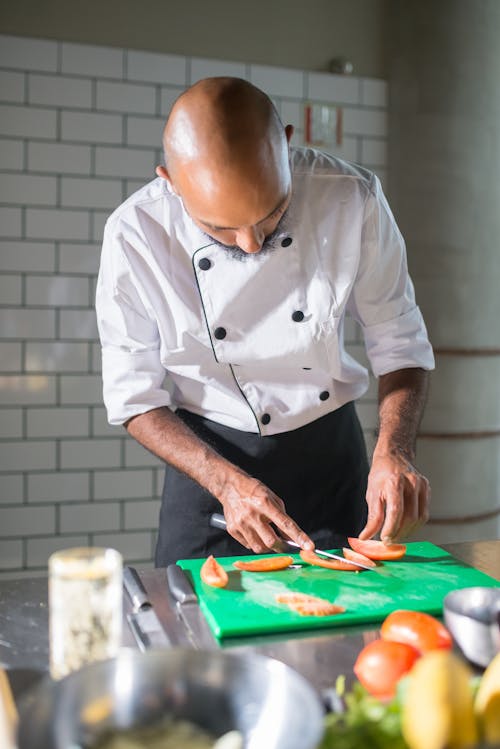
[[132, 383], [383, 297], [399, 343], [132, 372]]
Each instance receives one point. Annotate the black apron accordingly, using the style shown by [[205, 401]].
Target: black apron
[[319, 471]]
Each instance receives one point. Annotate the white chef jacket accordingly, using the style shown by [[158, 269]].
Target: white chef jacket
[[258, 344]]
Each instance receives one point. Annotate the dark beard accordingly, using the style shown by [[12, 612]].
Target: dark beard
[[270, 243]]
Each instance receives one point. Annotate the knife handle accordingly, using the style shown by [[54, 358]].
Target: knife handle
[[141, 639], [135, 589], [280, 547], [179, 585], [218, 521]]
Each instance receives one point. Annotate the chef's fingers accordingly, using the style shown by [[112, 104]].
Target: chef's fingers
[[280, 504], [255, 538], [239, 537], [410, 517], [394, 508], [375, 516], [246, 535], [236, 532], [250, 539], [289, 528], [254, 533], [424, 498], [267, 536], [416, 504]]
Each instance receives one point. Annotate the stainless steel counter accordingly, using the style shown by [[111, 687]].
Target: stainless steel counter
[[320, 657]]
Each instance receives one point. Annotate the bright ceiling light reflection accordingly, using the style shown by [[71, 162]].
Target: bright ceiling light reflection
[[269, 730], [124, 677]]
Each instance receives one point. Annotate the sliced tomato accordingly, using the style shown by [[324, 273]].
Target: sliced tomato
[[295, 598], [377, 550], [268, 564], [421, 630], [316, 608], [381, 664], [355, 556], [307, 605], [332, 564], [213, 574]]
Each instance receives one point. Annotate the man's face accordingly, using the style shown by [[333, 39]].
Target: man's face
[[244, 241], [240, 206]]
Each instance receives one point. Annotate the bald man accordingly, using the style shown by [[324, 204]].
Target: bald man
[[228, 279]]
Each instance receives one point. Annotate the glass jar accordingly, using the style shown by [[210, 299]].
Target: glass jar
[[85, 607]]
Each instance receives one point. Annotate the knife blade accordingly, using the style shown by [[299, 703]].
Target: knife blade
[[188, 608], [219, 521], [143, 620]]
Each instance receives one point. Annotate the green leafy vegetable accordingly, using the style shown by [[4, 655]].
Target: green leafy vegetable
[[366, 722]]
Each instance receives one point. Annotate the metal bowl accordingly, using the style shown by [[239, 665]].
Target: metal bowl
[[269, 703], [473, 617]]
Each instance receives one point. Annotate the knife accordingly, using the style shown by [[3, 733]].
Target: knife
[[188, 608], [143, 621], [282, 544]]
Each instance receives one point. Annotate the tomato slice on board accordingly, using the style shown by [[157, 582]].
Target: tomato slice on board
[[315, 608], [355, 556], [268, 564], [377, 550], [381, 664], [307, 605], [421, 630], [213, 574], [295, 598], [332, 564]]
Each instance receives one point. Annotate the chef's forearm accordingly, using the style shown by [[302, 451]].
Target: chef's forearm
[[402, 396], [168, 437]]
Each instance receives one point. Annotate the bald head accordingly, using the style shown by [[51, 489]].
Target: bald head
[[225, 117], [226, 153]]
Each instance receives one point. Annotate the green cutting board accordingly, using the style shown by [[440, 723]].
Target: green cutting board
[[247, 606]]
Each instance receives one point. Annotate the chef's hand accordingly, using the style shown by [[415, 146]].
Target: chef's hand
[[250, 507], [398, 498]]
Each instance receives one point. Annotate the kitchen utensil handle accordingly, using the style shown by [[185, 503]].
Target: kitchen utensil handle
[[141, 639], [135, 589], [217, 520], [179, 585]]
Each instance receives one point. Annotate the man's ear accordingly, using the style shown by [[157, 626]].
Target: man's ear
[[162, 172]]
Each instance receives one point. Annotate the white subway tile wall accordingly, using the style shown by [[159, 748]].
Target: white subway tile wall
[[11, 152], [12, 86], [10, 289], [28, 122], [60, 91], [80, 130], [12, 488], [58, 158], [10, 221]]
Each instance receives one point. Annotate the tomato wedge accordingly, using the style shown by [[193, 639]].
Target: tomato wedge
[[307, 605], [213, 574], [421, 630], [377, 550], [268, 564], [332, 564], [295, 598], [381, 664], [317, 608], [354, 556]]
